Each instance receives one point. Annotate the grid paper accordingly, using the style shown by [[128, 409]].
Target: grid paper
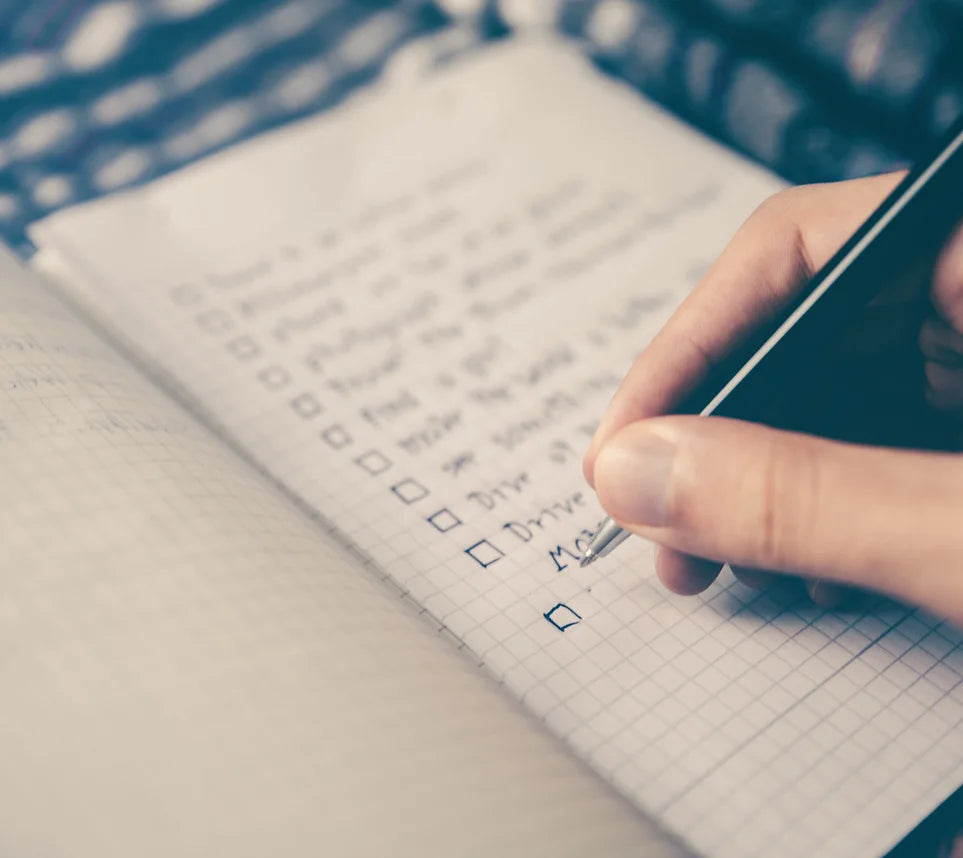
[[405, 331], [189, 668]]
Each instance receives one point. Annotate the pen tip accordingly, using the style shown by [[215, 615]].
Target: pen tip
[[588, 558]]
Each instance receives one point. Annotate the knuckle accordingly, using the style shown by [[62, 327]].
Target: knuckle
[[948, 296], [947, 291], [777, 210], [787, 510], [776, 227]]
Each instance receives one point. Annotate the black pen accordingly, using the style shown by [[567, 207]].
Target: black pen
[[907, 230]]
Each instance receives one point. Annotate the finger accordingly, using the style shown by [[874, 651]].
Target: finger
[[947, 291], [755, 578], [941, 343], [790, 236], [944, 386], [732, 491], [684, 574], [882, 327], [942, 348], [833, 597]]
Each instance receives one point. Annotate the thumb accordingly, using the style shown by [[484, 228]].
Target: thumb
[[752, 496]]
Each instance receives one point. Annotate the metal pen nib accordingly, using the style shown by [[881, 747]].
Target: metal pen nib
[[588, 558], [606, 539]]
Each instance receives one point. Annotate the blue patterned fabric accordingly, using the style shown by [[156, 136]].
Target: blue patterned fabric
[[98, 95]]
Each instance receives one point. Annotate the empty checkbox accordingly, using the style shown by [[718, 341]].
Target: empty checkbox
[[410, 490], [444, 520], [373, 462], [484, 553], [274, 377], [306, 406], [214, 321], [336, 436], [244, 348], [562, 617]]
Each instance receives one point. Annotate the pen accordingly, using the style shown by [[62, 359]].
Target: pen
[[907, 230]]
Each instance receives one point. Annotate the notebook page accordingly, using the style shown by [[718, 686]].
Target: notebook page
[[190, 669], [412, 313]]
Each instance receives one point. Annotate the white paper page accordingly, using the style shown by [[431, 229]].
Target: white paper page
[[190, 669], [412, 313]]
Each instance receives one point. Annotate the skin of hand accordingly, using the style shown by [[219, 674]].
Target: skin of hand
[[774, 503]]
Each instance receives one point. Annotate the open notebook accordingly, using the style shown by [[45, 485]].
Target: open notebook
[[398, 324]]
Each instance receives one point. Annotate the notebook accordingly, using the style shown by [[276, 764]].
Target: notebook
[[293, 438]]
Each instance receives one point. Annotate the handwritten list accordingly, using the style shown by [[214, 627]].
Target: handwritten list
[[415, 341], [412, 314]]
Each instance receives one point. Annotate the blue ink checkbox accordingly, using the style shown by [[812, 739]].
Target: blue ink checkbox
[[484, 553], [444, 520], [410, 490], [243, 348], [214, 321], [306, 406], [274, 377], [374, 462], [336, 436], [562, 617]]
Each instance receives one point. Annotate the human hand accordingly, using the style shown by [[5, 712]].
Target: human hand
[[841, 515]]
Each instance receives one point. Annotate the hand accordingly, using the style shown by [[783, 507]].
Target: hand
[[711, 490]]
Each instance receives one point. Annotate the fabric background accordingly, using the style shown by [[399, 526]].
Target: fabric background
[[97, 95]]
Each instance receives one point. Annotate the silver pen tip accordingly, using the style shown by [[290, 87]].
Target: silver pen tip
[[588, 558]]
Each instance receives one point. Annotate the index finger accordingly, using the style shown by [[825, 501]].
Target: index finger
[[788, 238]]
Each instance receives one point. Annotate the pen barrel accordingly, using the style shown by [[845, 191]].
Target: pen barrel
[[788, 371]]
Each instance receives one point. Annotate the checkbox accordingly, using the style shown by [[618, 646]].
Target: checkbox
[[373, 462], [274, 377], [484, 553], [186, 295], [444, 520], [306, 406], [336, 437], [562, 617], [244, 348], [410, 490], [214, 321]]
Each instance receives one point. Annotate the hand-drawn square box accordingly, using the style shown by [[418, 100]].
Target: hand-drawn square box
[[274, 377], [484, 553], [410, 490], [214, 321], [373, 462], [185, 295], [306, 405], [562, 617], [244, 348], [444, 520], [336, 436]]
